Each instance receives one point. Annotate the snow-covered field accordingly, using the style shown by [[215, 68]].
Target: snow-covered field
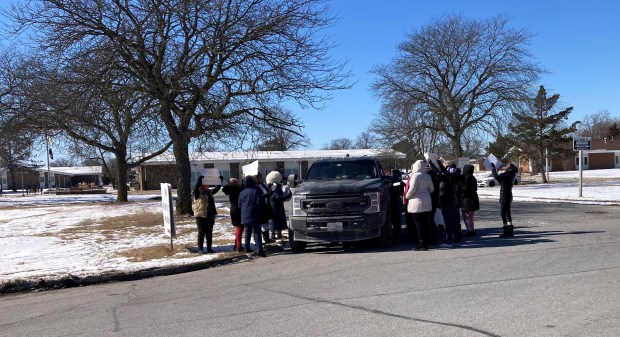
[[51, 237]]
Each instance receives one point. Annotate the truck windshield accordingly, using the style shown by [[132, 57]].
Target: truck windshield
[[353, 169]]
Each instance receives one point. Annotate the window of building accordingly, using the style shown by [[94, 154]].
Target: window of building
[[289, 171]]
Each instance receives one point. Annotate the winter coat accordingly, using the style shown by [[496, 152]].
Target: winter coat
[[265, 194], [251, 203], [420, 189], [276, 201], [448, 190], [506, 181], [469, 186], [233, 192], [204, 206]]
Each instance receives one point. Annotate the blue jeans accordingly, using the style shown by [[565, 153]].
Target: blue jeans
[[258, 240]]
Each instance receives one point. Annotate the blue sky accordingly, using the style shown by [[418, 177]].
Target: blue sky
[[577, 42]]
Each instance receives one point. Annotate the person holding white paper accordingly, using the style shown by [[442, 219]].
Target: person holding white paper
[[506, 181], [205, 212]]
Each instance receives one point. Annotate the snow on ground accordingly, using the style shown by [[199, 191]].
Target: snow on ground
[[34, 244], [598, 187]]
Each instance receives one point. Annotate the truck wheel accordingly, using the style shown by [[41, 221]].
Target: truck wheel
[[296, 246], [491, 183], [385, 239]]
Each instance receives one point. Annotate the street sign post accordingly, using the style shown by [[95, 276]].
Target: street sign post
[[168, 212], [581, 144]]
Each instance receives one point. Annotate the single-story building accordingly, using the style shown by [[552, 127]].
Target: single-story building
[[162, 169], [602, 155], [68, 177]]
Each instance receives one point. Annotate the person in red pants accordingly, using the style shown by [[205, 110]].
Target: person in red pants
[[232, 190]]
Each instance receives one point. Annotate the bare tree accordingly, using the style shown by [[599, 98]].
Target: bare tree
[[202, 60], [597, 125], [367, 140], [461, 73], [286, 134], [339, 144], [403, 127], [95, 106]]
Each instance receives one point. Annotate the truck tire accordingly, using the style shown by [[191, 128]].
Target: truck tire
[[385, 239], [296, 246], [491, 183]]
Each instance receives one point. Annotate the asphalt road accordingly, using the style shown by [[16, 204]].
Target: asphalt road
[[559, 276]]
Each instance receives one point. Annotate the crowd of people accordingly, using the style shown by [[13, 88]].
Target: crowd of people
[[437, 197], [256, 209]]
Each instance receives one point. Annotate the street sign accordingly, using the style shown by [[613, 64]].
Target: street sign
[[581, 143]]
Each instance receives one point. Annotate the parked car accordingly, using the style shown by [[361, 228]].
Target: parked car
[[489, 181]]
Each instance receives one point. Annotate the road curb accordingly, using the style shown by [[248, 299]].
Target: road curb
[[70, 281]]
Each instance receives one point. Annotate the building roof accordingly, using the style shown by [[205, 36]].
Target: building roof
[[273, 155], [74, 170]]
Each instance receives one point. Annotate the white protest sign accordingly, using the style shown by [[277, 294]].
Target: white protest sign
[[492, 159], [168, 210], [432, 158], [211, 177], [250, 169]]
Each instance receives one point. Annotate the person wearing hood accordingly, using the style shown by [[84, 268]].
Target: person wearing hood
[[419, 202], [232, 190], [277, 196], [252, 206], [205, 212], [506, 181], [265, 193], [471, 203]]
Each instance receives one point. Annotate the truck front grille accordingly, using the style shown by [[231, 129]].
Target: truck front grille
[[335, 204]]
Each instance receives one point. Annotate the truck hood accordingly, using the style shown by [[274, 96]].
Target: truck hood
[[339, 186]]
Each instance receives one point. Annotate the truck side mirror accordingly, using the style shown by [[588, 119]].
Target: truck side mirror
[[291, 180]]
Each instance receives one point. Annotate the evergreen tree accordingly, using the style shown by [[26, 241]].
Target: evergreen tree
[[613, 132], [541, 128]]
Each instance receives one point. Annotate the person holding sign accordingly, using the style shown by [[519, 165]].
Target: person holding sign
[[205, 212], [506, 181]]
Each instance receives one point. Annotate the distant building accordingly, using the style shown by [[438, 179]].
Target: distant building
[[162, 169], [68, 177]]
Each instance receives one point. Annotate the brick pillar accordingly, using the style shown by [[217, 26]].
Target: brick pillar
[[280, 167], [304, 169]]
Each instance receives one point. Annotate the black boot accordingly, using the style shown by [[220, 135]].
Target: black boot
[[507, 231], [421, 246]]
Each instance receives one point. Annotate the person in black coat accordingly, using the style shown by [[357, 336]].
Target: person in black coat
[[471, 203], [277, 196], [232, 190], [252, 206], [448, 201], [506, 181], [397, 191]]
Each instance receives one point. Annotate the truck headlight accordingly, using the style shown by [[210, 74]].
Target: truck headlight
[[375, 202], [297, 210]]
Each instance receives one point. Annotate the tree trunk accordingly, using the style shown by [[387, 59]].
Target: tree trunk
[[543, 166], [121, 172], [184, 196], [13, 184]]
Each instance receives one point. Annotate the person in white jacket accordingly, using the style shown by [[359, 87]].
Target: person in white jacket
[[419, 202]]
